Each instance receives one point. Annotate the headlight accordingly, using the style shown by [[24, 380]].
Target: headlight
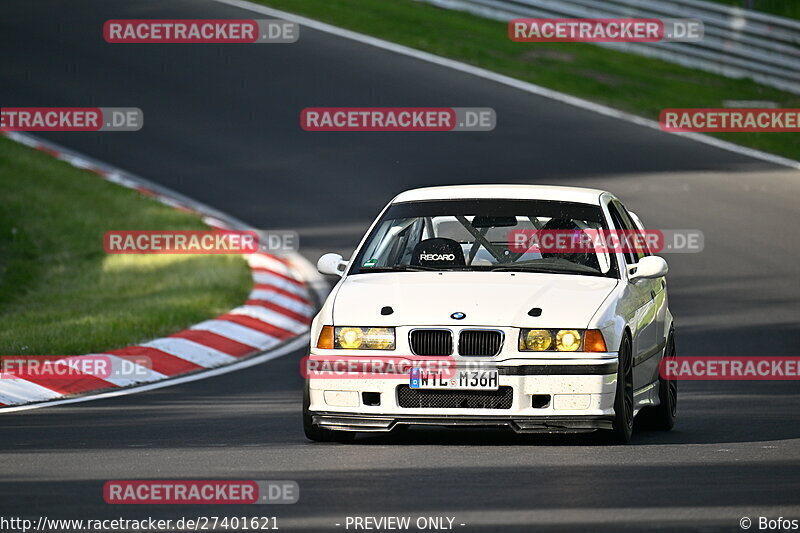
[[349, 338], [561, 340], [568, 340], [356, 338], [535, 340]]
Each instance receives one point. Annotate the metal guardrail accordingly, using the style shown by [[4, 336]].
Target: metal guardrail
[[738, 43]]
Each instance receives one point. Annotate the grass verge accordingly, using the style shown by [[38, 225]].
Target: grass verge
[[61, 294], [628, 82]]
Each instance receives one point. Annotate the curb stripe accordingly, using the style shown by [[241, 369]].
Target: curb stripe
[[272, 317], [262, 270], [146, 191], [278, 290], [135, 373], [286, 262], [270, 262], [299, 317], [15, 390], [162, 362], [215, 341], [70, 385], [259, 325], [238, 333], [281, 283], [191, 351], [278, 299]]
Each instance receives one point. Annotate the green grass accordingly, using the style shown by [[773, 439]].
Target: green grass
[[782, 8], [61, 294], [624, 81]]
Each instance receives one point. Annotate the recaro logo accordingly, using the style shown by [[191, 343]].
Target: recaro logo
[[436, 257]]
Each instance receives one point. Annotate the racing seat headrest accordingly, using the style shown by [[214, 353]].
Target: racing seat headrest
[[560, 224], [438, 252]]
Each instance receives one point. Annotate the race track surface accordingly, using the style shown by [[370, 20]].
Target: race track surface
[[222, 126]]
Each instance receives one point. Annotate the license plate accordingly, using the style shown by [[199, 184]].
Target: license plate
[[460, 380]]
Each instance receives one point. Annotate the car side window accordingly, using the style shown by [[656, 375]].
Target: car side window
[[630, 257], [627, 216]]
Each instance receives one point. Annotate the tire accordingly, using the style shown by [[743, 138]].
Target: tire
[[623, 400], [316, 433], [662, 416]]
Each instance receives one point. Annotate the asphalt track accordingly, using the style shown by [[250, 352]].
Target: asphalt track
[[221, 125]]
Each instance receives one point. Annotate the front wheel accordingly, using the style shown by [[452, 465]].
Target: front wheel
[[623, 401], [662, 416]]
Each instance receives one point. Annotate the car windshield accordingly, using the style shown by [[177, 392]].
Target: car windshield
[[482, 235]]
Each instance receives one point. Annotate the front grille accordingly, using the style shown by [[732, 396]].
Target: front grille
[[454, 399], [431, 342], [485, 342]]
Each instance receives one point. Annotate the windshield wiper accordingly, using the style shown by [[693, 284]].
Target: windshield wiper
[[542, 270], [400, 268]]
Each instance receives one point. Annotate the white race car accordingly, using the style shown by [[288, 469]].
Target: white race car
[[462, 326]]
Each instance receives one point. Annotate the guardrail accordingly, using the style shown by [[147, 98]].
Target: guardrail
[[738, 43]]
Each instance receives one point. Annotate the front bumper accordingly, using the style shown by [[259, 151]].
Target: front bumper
[[538, 424], [538, 396]]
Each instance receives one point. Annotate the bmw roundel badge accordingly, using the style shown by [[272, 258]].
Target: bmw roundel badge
[[458, 315]]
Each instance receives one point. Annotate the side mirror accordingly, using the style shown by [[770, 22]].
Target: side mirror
[[648, 268], [331, 264]]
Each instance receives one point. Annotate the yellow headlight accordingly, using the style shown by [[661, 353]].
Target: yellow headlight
[[350, 338], [568, 340], [536, 340], [379, 339], [356, 338]]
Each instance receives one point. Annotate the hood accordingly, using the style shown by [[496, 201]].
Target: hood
[[500, 299]]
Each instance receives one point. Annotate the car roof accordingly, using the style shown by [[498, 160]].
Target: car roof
[[502, 192]]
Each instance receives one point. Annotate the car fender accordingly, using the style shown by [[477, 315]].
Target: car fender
[[610, 319], [325, 315]]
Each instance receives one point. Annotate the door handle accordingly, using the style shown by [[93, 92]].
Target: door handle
[[652, 294]]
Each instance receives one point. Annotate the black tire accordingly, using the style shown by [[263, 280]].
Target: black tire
[[316, 433], [623, 400], [662, 416]]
